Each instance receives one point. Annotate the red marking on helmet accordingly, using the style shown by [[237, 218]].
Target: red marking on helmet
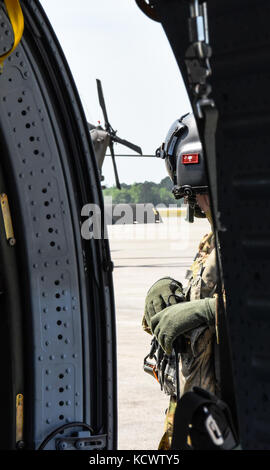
[[190, 158]]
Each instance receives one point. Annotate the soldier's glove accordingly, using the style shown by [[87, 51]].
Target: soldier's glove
[[164, 292], [175, 320]]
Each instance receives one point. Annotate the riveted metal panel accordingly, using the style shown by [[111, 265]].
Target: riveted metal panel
[[49, 163]]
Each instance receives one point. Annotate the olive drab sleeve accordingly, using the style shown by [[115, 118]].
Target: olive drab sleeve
[[202, 284], [197, 364], [175, 320]]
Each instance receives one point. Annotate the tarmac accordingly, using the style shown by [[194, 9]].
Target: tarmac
[[142, 254]]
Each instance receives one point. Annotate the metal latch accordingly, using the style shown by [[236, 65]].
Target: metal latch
[[7, 219], [82, 441]]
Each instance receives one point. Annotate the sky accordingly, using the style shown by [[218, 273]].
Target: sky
[[144, 93]]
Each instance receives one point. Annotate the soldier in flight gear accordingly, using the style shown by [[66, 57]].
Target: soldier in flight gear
[[171, 310]]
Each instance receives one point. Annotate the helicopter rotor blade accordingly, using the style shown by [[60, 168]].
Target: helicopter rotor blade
[[128, 144], [118, 185], [102, 104], [91, 126]]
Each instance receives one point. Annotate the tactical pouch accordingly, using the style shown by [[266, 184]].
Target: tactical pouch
[[202, 421]]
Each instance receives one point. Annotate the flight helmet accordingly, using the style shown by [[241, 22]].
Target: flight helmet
[[184, 159]]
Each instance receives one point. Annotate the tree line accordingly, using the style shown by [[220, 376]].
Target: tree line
[[147, 192]]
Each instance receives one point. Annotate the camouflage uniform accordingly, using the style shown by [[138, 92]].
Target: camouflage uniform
[[197, 364]]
